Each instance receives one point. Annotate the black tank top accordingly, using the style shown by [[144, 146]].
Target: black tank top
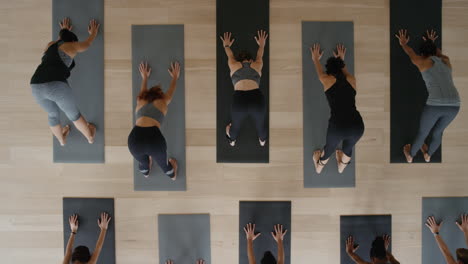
[[341, 99], [52, 67]]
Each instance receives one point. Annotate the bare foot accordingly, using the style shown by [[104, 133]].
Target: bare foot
[[342, 160], [319, 164], [406, 151], [262, 143], [150, 166], [231, 142], [174, 166], [424, 150], [65, 132], [92, 129]]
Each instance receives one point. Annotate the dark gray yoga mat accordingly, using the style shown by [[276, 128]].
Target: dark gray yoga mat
[[316, 111], [264, 215], [86, 81], [160, 45], [243, 22], [448, 209], [184, 238], [408, 92], [364, 229], [89, 210]]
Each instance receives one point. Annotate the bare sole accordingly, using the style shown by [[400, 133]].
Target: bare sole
[[424, 150], [65, 133], [406, 151]]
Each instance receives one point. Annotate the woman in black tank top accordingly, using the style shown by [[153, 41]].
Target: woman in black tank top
[[345, 124]]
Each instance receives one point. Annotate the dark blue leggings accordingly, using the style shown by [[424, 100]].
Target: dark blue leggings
[[437, 119], [248, 103], [144, 142], [348, 135]]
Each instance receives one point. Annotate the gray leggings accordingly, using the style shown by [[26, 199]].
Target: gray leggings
[[437, 119], [53, 96]]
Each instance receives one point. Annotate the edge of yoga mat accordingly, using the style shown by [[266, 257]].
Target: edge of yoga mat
[[184, 238], [263, 215], [256, 17], [159, 45], [407, 89], [449, 210], [89, 210], [364, 229], [316, 111], [86, 81]]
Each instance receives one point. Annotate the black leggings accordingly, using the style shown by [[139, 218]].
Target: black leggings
[[248, 103], [435, 118], [144, 142], [350, 135]]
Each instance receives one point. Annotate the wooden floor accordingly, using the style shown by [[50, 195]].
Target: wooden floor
[[32, 187]]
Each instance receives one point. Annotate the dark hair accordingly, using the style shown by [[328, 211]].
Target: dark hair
[[244, 55], [378, 248], [268, 258], [428, 48], [462, 255], [334, 66], [67, 36], [154, 93], [81, 254]]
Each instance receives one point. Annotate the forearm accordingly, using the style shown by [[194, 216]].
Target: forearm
[[466, 238], [280, 252], [445, 250], [318, 68], [260, 51], [392, 259], [171, 91], [355, 257], [250, 252], [69, 248], [229, 52], [99, 244], [144, 84]]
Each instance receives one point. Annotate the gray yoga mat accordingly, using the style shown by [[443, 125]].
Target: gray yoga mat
[[159, 45], [86, 81], [264, 215], [449, 210], [89, 211], [184, 238], [316, 111], [364, 229]]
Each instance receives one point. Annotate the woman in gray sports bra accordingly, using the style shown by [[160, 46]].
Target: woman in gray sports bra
[[247, 100], [146, 142], [443, 102]]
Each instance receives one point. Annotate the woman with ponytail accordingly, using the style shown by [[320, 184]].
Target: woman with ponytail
[[379, 253]]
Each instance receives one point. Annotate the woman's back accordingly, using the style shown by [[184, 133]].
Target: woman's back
[[439, 84], [341, 99]]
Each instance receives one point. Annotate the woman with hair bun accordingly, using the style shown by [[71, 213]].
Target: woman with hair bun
[[345, 124], [379, 253]]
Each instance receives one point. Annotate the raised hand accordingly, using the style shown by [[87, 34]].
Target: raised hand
[[200, 261], [249, 230], [261, 38], [103, 221], [169, 261], [226, 39], [340, 51], [350, 248], [278, 235], [432, 35], [174, 71], [73, 220], [464, 223], [387, 241], [432, 224], [93, 27], [402, 36], [316, 52], [145, 70], [65, 24]]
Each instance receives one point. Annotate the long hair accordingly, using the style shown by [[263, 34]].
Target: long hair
[[334, 66], [67, 36], [378, 250], [154, 93], [268, 258], [81, 254], [462, 255]]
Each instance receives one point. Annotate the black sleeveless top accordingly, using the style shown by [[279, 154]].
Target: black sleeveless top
[[52, 67], [341, 99]]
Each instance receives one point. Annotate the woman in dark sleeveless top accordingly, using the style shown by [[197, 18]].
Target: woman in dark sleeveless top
[[49, 83], [345, 124], [247, 100]]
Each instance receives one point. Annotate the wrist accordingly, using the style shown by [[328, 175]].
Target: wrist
[[435, 233], [73, 232]]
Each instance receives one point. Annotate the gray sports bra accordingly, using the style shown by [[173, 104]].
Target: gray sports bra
[[246, 73], [149, 110]]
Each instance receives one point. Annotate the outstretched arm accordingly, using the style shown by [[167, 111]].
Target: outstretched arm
[[250, 236], [316, 56], [351, 251], [435, 228], [103, 223], [278, 236], [432, 35], [174, 71], [73, 220], [93, 29], [261, 41], [227, 43], [340, 53], [464, 227], [403, 37]]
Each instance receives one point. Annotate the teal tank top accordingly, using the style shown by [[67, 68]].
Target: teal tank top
[[439, 84]]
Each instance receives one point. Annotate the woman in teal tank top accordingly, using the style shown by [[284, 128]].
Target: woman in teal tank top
[[443, 102]]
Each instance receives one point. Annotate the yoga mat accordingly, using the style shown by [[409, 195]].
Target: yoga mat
[[160, 45], [243, 22], [86, 81], [264, 215], [184, 238], [448, 209], [364, 229], [315, 105], [89, 211], [407, 89]]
